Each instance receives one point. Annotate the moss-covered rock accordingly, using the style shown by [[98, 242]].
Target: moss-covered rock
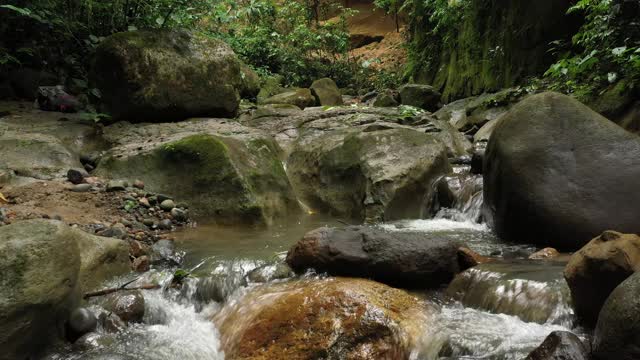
[[363, 166], [153, 76], [326, 92], [335, 318], [225, 171], [301, 98]]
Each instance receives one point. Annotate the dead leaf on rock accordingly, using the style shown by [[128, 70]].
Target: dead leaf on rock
[[3, 199]]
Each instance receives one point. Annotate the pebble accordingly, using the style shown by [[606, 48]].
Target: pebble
[[167, 205], [182, 205], [179, 215], [144, 202], [165, 224], [138, 184], [81, 188], [116, 185], [76, 176], [148, 222], [141, 264]]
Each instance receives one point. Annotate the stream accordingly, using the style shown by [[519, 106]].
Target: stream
[[500, 310]]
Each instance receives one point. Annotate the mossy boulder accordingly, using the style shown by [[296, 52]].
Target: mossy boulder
[[167, 75], [272, 85], [250, 83], [421, 96], [366, 168], [326, 92], [334, 318], [558, 174], [301, 98], [226, 172]]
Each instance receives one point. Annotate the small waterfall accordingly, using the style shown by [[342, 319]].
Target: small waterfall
[[463, 198], [534, 291]]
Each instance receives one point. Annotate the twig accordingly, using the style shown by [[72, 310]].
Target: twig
[[113, 290]]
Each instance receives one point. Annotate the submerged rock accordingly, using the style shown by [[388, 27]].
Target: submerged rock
[[557, 174], [339, 318], [153, 76], [560, 345], [595, 270], [617, 334], [227, 172], [396, 258], [531, 290]]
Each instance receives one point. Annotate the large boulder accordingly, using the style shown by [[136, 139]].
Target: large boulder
[[421, 96], [617, 334], [363, 166], [560, 345], [227, 172], [326, 92], [396, 258], [101, 258], [153, 76], [39, 262], [334, 318], [558, 174], [596, 269]]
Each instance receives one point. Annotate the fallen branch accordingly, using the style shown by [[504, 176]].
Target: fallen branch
[[121, 288]]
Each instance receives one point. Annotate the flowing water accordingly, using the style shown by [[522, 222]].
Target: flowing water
[[497, 311]]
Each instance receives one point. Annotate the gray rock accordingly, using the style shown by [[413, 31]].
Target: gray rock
[[396, 258], [165, 224], [179, 215], [558, 174], [116, 185], [301, 98], [560, 345], [386, 99], [617, 334], [81, 188], [148, 222], [326, 92], [167, 205]]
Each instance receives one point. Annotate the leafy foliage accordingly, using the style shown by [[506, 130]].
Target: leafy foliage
[[605, 50]]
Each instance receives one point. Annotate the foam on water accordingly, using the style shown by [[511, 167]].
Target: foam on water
[[431, 225]]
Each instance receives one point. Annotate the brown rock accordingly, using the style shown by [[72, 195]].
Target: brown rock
[[139, 184], [141, 264], [595, 270], [468, 258], [127, 305], [138, 249], [144, 202], [341, 318], [546, 253]]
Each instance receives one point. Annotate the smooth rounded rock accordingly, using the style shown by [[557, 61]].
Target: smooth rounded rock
[[179, 215], [81, 188], [167, 205], [82, 321], [128, 305], [560, 345]]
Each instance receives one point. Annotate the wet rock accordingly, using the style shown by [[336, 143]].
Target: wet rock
[[39, 263], [560, 345], [534, 291], [81, 188], [148, 222], [106, 356], [618, 328], [270, 272], [164, 251], [326, 92], [81, 321], [119, 232], [127, 305], [218, 287], [541, 182], [225, 171], [301, 98], [477, 159], [338, 317], [137, 248], [421, 96], [110, 322], [127, 68], [93, 341], [546, 253], [116, 185], [595, 270], [76, 176], [141, 264], [468, 258], [167, 205], [395, 258], [179, 215]]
